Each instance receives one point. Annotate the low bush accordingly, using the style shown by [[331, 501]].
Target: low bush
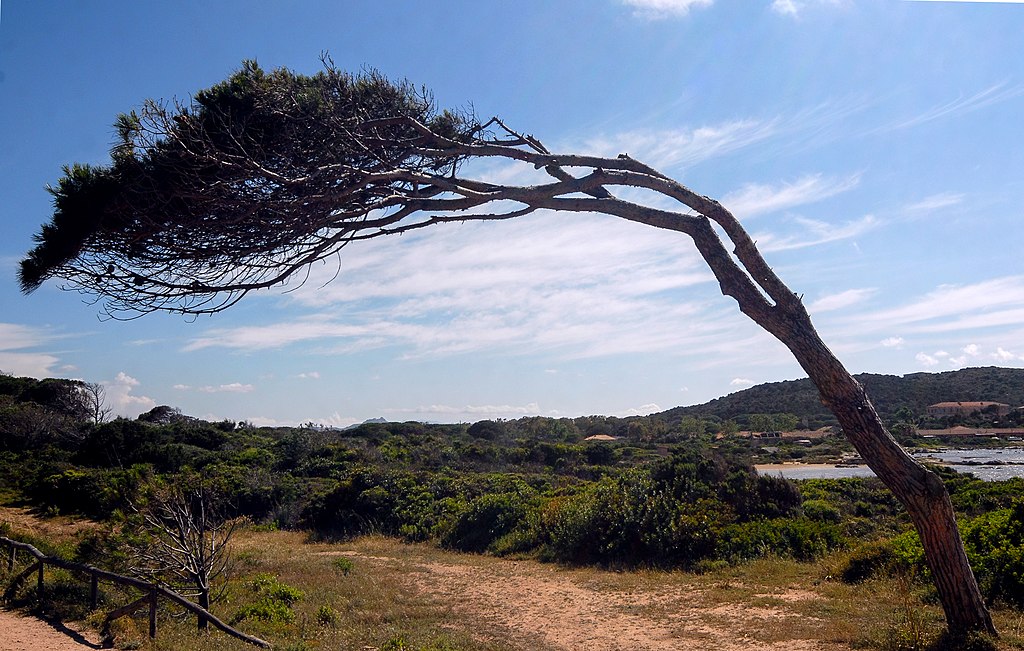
[[484, 521], [868, 560], [995, 545], [274, 601]]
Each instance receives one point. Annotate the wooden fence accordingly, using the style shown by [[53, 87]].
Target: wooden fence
[[152, 592]]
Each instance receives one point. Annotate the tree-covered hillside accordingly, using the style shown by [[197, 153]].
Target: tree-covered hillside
[[889, 393]]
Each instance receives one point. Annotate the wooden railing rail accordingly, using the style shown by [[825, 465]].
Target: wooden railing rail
[[151, 590]]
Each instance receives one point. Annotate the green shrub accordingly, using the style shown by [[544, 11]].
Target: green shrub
[[485, 520], [268, 585], [995, 545], [868, 560], [265, 610], [822, 511], [800, 538], [909, 553], [273, 603], [327, 616], [343, 564]]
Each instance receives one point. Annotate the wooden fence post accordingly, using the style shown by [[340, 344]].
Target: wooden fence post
[[39, 581], [10, 562], [94, 591], [152, 614]]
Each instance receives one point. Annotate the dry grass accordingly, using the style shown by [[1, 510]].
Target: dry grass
[[397, 597]]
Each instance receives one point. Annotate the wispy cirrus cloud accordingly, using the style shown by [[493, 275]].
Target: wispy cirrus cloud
[[759, 198], [952, 326], [683, 147], [992, 303], [935, 202], [962, 105], [841, 300], [571, 287], [814, 232]]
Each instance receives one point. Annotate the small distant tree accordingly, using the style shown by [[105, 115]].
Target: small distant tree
[[94, 394], [258, 177]]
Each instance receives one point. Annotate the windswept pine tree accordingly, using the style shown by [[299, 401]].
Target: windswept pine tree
[[247, 185]]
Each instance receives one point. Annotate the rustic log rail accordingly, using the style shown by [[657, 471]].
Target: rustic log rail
[[151, 591]]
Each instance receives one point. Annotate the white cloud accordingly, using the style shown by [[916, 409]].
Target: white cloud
[[794, 7], [971, 350], [892, 342], [741, 382], [665, 8], [234, 387], [755, 198], [682, 147], [311, 375], [813, 232], [37, 365], [474, 412], [1004, 355], [642, 410], [572, 286], [788, 7], [936, 202], [926, 360], [841, 300], [962, 105], [14, 339], [120, 398], [987, 304]]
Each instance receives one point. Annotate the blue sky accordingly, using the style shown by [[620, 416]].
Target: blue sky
[[874, 148]]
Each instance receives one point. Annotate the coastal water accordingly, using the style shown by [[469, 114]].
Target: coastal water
[[992, 464]]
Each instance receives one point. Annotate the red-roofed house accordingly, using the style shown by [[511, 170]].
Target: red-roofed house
[[966, 408]]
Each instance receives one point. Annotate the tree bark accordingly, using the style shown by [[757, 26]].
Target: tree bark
[[204, 602], [920, 491]]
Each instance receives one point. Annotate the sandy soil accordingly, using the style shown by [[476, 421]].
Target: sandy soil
[[555, 609], [20, 633], [23, 519]]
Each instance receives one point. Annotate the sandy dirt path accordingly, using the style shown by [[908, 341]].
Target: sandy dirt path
[[563, 610], [542, 606], [21, 633]]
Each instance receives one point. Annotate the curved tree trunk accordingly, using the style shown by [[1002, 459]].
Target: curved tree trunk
[[765, 299], [921, 491]]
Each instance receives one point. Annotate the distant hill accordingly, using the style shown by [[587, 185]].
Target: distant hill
[[888, 393]]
